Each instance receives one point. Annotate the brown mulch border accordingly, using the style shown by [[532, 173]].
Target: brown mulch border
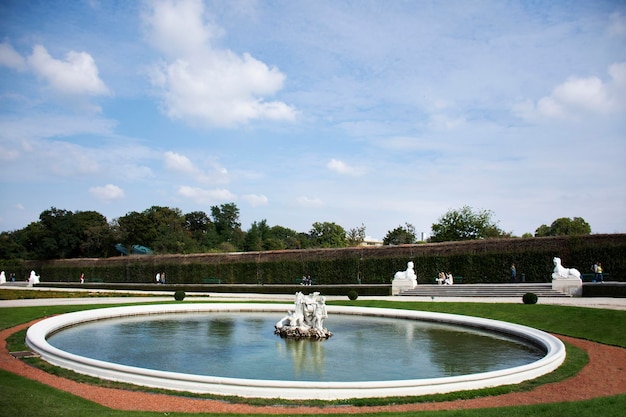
[[605, 375]]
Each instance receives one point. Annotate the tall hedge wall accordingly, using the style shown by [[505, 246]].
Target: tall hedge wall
[[485, 261]]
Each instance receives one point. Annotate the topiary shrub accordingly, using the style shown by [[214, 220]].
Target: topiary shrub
[[179, 295], [530, 298], [353, 295]]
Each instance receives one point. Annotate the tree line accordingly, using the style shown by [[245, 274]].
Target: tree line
[[63, 234]]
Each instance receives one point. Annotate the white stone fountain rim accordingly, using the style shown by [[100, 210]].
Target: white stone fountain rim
[[37, 334]]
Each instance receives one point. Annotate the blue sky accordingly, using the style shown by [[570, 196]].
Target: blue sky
[[378, 113]]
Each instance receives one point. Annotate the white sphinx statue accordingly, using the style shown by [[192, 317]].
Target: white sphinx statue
[[404, 280], [566, 280], [3, 278], [33, 279], [306, 320], [563, 273]]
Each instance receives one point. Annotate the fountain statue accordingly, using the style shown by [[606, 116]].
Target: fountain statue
[[306, 320], [404, 280]]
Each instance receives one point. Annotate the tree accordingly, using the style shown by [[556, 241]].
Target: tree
[[328, 235], [136, 229], [202, 229], [289, 238], [227, 225], [171, 233], [97, 238], [401, 235], [356, 235], [465, 224], [256, 236], [564, 226], [60, 234]]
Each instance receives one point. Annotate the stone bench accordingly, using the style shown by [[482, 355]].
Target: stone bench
[[590, 277], [211, 281]]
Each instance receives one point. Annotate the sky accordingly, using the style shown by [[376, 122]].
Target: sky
[[361, 113]]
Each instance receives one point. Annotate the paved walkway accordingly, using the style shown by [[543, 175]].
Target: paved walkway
[[152, 296]]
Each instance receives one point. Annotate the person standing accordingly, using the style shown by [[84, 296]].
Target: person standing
[[82, 278], [513, 273], [598, 272]]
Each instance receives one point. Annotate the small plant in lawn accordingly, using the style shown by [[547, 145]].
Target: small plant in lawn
[[179, 295], [352, 295], [530, 298]]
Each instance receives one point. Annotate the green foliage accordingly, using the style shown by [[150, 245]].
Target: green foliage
[[352, 295], [465, 224], [356, 235], [179, 295], [478, 262], [530, 298], [328, 235], [401, 235], [564, 226]]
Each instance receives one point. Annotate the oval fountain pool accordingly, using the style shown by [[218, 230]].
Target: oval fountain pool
[[230, 349]]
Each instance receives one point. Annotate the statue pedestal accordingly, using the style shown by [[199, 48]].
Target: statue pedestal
[[399, 285], [569, 286]]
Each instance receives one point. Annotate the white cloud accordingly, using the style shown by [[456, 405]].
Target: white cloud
[[341, 167], [165, 21], [180, 163], [9, 57], [579, 96], [255, 200], [177, 162], [202, 85], [309, 202], [204, 196], [76, 75], [107, 193]]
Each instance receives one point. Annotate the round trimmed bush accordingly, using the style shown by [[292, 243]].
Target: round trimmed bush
[[353, 295], [179, 295], [530, 298]]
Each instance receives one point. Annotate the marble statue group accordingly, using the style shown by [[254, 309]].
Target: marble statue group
[[306, 320]]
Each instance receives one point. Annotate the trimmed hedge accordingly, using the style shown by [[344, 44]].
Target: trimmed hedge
[[530, 298], [484, 261]]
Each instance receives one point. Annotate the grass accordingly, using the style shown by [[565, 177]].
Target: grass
[[23, 294], [23, 397]]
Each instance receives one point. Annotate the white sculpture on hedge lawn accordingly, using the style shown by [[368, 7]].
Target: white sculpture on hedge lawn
[[404, 280], [306, 320], [563, 273], [33, 279], [566, 280]]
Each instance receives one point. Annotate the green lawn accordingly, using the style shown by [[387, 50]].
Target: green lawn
[[23, 397]]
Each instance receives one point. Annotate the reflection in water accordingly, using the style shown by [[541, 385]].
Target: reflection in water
[[307, 355], [243, 345]]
